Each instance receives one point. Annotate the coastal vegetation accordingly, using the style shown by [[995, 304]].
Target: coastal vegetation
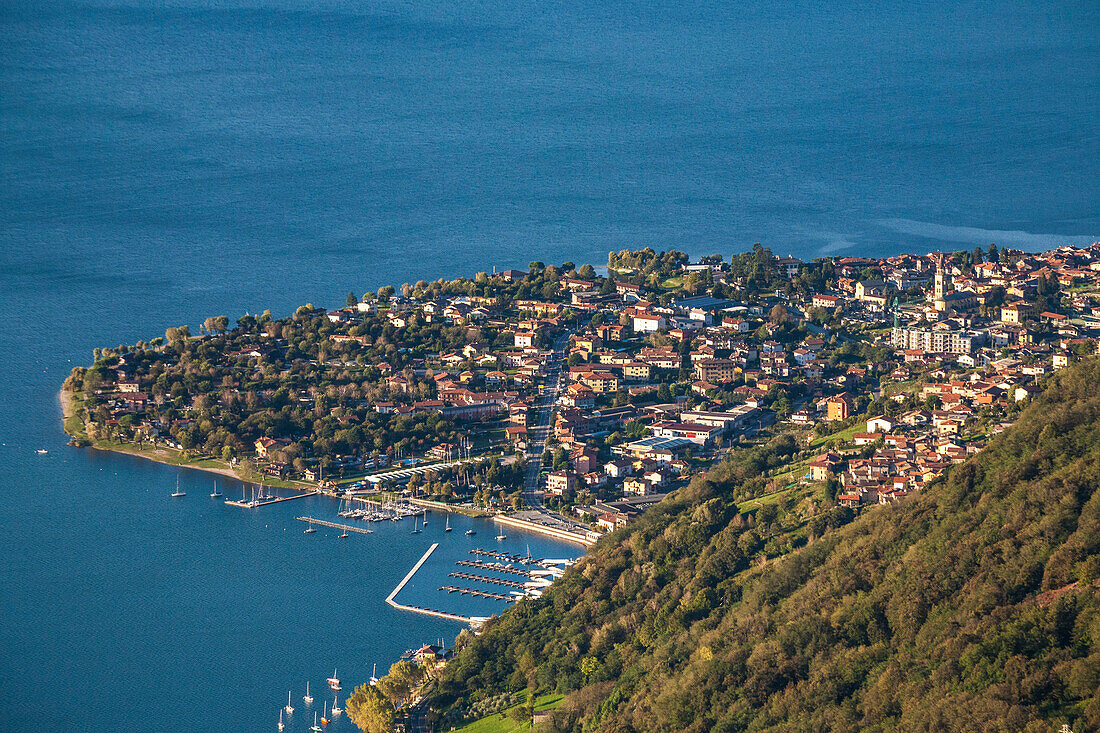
[[971, 605], [934, 568]]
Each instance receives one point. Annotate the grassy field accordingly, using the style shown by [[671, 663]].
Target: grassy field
[[501, 723], [842, 436], [749, 504]]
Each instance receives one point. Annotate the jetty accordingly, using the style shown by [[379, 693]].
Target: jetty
[[266, 502], [335, 525], [478, 593]]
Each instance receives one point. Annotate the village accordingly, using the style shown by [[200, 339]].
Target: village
[[557, 391]]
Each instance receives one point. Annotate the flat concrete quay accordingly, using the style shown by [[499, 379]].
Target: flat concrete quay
[[478, 593], [335, 525], [486, 579], [257, 504]]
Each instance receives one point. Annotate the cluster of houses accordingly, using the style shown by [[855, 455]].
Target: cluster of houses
[[658, 382]]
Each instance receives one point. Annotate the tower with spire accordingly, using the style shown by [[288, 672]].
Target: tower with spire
[[942, 286]]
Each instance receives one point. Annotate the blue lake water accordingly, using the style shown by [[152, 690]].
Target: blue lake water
[[165, 161]]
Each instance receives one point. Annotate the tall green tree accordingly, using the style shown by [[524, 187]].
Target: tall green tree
[[370, 710]]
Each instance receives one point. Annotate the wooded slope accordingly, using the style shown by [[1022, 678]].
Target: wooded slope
[[972, 606]]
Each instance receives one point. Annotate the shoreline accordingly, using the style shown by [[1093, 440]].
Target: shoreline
[[137, 453], [66, 398], [464, 511], [558, 534]]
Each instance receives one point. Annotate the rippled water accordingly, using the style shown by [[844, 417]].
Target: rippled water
[[161, 162]]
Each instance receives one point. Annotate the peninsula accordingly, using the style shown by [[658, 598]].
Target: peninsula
[[784, 419], [570, 402]]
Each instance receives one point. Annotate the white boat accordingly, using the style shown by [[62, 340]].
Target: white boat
[[216, 493], [178, 492], [344, 535], [448, 527], [373, 672], [501, 537], [333, 681], [335, 710], [308, 697], [282, 726], [289, 708], [309, 530], [316, 728], [41, 451], [470, 532]]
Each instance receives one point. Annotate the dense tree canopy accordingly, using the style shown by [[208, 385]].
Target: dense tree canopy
[[971, 606]]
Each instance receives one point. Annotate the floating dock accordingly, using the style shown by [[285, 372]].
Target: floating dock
[[506, 557], [496, 568], [335, 525], [478, 593], [486, 579]]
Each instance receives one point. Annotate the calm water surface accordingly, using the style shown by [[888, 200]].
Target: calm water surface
[[161, 162]]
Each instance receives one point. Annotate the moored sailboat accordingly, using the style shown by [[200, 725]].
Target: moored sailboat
[[308, 698], [333, 681]]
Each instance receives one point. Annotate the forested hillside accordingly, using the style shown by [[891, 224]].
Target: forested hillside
[[973, 605]]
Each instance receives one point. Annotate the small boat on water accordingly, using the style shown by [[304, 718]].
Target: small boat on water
[[316, 728], [178, 492], [41, 451], [335, 710], [309, 530], [448, 527], [215, 493], [289, 708], [282, 725], [373, 673], [333, 681], [470, 532], [308, 697], [500, 537], [324, 715], [343, 536]]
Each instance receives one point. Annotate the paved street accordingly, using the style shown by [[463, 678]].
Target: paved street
[[544, 420]]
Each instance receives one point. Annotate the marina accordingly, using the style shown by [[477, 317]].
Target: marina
[[381, 511]]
